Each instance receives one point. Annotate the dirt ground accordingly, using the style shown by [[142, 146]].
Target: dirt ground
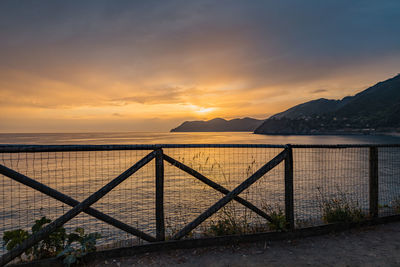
[[371, 246]]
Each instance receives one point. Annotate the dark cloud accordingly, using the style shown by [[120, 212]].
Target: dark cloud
[[319, 91], [274, 42], [165, 95]]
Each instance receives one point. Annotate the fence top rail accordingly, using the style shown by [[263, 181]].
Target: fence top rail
[[20, 148], [59, 148], [344, 145]]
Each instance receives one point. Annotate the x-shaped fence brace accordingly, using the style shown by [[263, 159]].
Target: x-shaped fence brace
[[159, 156]]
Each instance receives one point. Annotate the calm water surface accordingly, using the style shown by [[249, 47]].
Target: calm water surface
[[189, 138]]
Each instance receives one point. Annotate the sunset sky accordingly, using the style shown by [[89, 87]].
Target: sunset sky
[[73, 66]]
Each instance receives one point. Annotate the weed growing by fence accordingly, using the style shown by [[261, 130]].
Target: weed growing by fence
[[340, 209], [48, 247], [396, 204], [79, 244], [171, 229], [278, 217], [227, 223], [58, 243]]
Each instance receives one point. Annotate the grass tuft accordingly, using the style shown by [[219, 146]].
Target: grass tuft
[[278, 217], [340, 209], [396, 205]]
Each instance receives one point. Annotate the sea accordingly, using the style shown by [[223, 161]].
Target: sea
[[320, 174], [190, 138]]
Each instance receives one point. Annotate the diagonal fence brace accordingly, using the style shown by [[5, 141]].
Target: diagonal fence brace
[[231, 195], [16, 176], [214, 185], [51, 227]]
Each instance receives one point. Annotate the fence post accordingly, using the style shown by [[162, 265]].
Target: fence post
[[289, 203], [373, 182], [160, 226]]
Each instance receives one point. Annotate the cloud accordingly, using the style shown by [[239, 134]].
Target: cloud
[[319, 91], [169, 95]]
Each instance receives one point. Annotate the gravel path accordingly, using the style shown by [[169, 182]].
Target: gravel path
[[370, 246]]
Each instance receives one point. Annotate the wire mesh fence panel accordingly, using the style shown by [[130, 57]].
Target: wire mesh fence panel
[[78, 175], [268, 193], [389, 180], [329, 180], [22, 205], [186, 197], [131, 202]]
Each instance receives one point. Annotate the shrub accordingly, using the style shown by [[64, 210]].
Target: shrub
[[13, 238], [48, 247], [79, 244], [58, 243], [278, 217], [396, 205], [227, 224], [336, 210], [340, 209], [53, 244]]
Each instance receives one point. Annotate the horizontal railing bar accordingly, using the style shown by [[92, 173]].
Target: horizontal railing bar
[[64, 148], [22, 148], [71, 148], [16, 176], [345, 145]]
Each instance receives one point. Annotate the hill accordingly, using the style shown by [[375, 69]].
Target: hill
[[376, 109], [310, 108], [219, 125]]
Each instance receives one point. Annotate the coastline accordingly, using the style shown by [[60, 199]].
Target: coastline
[[395, 134]]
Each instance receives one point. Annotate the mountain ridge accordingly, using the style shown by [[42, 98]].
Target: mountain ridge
[[219, 125], [375, 109]]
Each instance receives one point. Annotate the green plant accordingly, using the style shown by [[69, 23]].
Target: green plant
[[79, 244], [396, 204], [225, 227], [278, 217], [172, 228], [340, 209], [383, 206], [58, 243], [48, 247], [227, 223], [13, 238]]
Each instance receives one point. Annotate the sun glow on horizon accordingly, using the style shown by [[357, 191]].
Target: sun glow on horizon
[[203, 110]]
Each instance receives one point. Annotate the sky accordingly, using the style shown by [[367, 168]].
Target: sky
[[82, 66]]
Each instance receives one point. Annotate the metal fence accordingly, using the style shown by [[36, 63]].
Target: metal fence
[[176, 189]]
